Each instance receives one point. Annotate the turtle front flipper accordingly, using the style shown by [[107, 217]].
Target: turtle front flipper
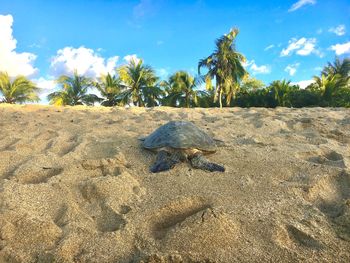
[[200, 162], [166, 161]]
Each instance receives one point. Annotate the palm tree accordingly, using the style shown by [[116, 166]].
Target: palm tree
[[327, 86], [225, 65], [181, 90], [281, 91], [110, 88], [139, 81], [74, 91], [20, 89], [152, 95], [341, 68]]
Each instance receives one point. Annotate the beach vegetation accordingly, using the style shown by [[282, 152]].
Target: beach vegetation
[[17, 90], [74, 91], [226, 66], [141, 84]]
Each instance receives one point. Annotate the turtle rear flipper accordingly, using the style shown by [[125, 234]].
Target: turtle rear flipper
[[200, 162], [166, 161]]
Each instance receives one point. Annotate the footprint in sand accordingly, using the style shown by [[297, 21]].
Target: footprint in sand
[[338, 135], [331, 195], [36, 170], [9, 144], [328, 157], [107, 200], [177, 212], [192, 225], [291, 236], [104, 157], [64, 144]]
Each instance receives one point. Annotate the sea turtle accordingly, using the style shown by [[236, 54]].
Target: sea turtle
[[178, 141]]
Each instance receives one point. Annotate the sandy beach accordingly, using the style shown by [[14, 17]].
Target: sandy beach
[[75, 186]]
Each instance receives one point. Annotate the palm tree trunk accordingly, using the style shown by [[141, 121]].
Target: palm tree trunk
[[220, 98]]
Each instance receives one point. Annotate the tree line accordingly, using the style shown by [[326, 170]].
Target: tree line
[[226, 80]]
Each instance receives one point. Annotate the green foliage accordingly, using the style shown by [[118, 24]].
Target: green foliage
[[110, 88], [250, 84], [225, 65], [18, 90], [141, 84], [73, 91], [181, 90]]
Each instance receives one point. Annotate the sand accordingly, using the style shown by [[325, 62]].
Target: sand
[[75, 186]]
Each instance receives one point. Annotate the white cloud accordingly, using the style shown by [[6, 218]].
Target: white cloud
[[263, 69], [46, 86], [303, 47], [269, 47], [319, 31], [160, 42], [292, 68], [341, 48], [141, 8], [10, 61], [339, 30], [303, 83], [84, 60], [162, 73], [134, 57], [301, 3]]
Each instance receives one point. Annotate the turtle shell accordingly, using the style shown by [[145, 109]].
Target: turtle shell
[[179, 135]]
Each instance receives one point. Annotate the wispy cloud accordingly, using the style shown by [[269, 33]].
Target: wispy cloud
[[292, 68], [319, 31], [339, 30], [269, 47], [341, 49], [142, 8], [303, 47], [300, 4], [303, 83], [263, 69], [11, 61], [84, 60], [163, 73], [133, 57]]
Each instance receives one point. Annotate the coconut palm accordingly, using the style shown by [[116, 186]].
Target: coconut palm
[[327, 86], [139, 81], [225, 65], [110, 87], [74, 91], [340, 68], [18, 90], [281, 91], [152, 95], [181, 90]]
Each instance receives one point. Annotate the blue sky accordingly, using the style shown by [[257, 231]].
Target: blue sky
[[281, 39]]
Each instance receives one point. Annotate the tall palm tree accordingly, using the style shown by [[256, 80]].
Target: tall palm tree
[[74, 91], [110, 87], [181, 90], [138, 79], [20, 89], [339, 67], [225, 65]]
